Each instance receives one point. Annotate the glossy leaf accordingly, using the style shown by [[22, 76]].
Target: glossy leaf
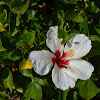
[[1, 47], [33, 91], [61, 23], [73, 32], [6, 78], [12, 55], [63, 34], [87, 89], [93, 8], [37, 25], [97, 28], [3, 94], [74, 17], [18, 6], [20, 45], [84, 28], [63, 95], [31, 14], [26, 72], [25, 64], [14, 32], [19, 90], [17, 19], [4, 15], [94, 38], [40, 81], [95, 49], [2, 27], [29, 38]]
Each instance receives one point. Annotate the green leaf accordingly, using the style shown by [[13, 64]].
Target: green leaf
[[63, 34], [71, 15], [60, 14], [18, 6], [26, 72], [19, 90], [70, 1], [20, 45], [4, 15], [61, 23], [78, 19], [93, 8], [63, 95], [3, 94], [15, 55], [37, 25], [2, 27], [6, 78], [84, 28], [21, 81], [97, 28], [40, 81], [17, 19], [12, 23], [95, 49], [14, 32], [12, 55], [31, 14], [33, 91], [29, 38], [97, 3], [73, 33], [94, 38], [24, 67], [87, 89], [1, 47]]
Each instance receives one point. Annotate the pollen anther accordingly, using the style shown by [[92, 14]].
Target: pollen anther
[[70, 53]]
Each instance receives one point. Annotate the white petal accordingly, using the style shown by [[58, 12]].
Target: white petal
[[42, 61], [53, 31], [52, 41], [81, 69], [81, 45], [61, 78]]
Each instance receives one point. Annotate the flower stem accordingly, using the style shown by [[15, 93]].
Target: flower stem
[[63, 95], [32, 78]]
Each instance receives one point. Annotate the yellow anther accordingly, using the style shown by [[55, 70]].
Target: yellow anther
[[70, 53]]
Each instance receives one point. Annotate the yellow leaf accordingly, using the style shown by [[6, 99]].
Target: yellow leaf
[[25, 64], [1, 47], [2, 27], [20, 90]]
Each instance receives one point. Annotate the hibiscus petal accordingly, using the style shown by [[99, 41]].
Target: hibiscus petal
[[62, 78], [52, 41], [78, 46], [42, 61], [80, 69]]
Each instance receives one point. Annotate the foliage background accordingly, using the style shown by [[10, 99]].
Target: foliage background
[[23, 27]]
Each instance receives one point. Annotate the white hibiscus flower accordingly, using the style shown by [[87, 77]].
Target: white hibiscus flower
[[68, 65]]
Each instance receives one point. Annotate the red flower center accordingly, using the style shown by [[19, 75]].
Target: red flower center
[[60, 61]]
